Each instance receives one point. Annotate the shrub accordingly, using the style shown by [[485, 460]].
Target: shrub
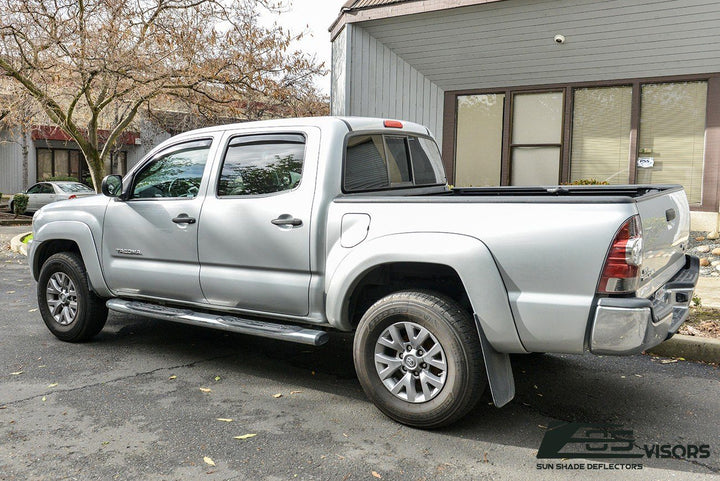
[[62, 178], [20, 202], [588, 182]]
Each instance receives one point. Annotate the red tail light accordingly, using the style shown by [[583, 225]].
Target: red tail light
[[621, 273], [395, 124], [72, 197]]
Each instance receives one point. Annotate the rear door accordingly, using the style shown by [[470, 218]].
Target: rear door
[[150, 240], [254, 238]]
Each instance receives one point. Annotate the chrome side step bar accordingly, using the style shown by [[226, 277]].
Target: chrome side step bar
[[283, 332]]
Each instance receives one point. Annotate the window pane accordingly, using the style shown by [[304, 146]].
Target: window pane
[[263, 167], [75, 164], [174, 174], [426, 161], [601, 134], [535, 165], [398, 161], [537, 118], [62, 163], [44, 164], [672, 136], [478, 149], [365, 167]]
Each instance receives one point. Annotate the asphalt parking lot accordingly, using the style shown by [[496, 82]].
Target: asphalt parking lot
[[143, 401]]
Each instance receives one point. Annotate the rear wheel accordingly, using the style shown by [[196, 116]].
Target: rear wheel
[[418, 358], [69, 309]]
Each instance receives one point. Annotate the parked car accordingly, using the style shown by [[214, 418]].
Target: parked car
[[44, 193], [289, 228]]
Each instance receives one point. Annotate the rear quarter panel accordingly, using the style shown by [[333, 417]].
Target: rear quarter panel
[[549, 255]]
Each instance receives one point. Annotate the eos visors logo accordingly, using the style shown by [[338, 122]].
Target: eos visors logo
[[608, 441]]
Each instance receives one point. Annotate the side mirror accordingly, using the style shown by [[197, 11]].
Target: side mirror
[[112, 186]]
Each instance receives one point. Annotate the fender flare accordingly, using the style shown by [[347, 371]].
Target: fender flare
[[80, 234], [466, 255]]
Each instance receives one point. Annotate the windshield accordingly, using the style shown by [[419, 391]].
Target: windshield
[[74, 188]]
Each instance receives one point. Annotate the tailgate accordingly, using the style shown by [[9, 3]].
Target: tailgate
[[665, 219]]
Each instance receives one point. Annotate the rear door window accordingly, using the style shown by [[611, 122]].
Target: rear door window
[[262, 164]]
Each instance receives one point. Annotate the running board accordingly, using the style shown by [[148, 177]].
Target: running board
[[283, 332]]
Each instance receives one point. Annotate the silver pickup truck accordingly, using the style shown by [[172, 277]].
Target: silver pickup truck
[[290, 228]]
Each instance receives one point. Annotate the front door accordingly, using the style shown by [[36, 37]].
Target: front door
[[254, 239], [150, 240]]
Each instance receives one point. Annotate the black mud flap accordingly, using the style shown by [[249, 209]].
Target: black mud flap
[[499, 370]]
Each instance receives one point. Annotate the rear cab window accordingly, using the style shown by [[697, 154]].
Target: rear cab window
[[375, 162]]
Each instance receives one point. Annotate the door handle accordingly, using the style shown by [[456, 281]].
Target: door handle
[[184, 219], [287, 219]]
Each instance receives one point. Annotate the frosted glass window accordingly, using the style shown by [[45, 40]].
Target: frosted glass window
[[601, 134], [62, 163], [537, 118], [478, 151], [671, 144], [44, 164], [535, 165]]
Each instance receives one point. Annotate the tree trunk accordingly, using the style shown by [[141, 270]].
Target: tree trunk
[[97, 169]]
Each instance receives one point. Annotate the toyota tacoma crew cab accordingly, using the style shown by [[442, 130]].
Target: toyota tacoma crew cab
[[290, 228]]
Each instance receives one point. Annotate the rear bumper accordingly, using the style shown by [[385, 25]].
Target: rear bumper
[[631, 325]]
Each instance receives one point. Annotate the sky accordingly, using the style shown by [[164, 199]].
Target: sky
[[313, 17]]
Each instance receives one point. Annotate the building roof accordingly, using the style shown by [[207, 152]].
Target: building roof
[[358, 4], [354, 11]]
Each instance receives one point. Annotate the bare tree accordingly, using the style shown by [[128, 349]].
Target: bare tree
[[91, 65]]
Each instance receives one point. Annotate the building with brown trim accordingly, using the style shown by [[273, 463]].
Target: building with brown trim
[[544, 92]]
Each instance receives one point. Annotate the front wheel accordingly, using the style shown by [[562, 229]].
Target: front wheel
[[69, 309], [418, 358]]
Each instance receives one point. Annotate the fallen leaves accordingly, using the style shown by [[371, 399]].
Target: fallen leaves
[[172, 377], [16, 373], [217, 378], [53, 384], [205, 389], [44, 399], [225, 420], [295, 392], [278, 395], [33, 310], [668, 361], [376, 475], [208, 460], [245, 436]]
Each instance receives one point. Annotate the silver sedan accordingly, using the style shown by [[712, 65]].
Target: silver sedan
[[44, 193]]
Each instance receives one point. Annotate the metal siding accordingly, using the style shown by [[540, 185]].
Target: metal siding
[[11, 176], [389, 86], [510, 43]]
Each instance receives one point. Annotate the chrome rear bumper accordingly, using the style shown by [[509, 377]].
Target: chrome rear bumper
[[631, 325]]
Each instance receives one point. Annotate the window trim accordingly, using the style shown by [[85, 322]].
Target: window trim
[[267, 135], [711, 170], [81, 161], [129, 189], [403, 186]]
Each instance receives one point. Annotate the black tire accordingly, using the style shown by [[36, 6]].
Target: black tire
[[455, 331], [90, 311]]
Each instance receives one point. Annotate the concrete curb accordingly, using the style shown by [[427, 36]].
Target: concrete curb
[[692, 348], [17, 245]]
